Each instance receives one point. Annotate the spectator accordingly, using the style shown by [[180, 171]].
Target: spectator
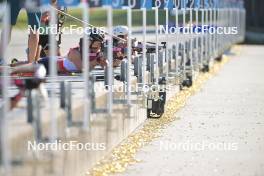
[[33, 21]]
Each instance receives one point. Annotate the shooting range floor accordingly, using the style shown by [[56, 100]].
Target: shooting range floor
[[103, 130], [229, 109]]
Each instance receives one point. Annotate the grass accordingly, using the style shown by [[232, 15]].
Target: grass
[[98, 17]]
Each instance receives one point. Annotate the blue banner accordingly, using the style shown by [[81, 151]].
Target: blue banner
[[44, 2], [197, 4], [241, 4], [216, 3], [116, 4], [206, 4], [95, 3], [63, 3], [68, 2], [220, 4], [146, 4], [213, 2], [183, 4], [169, 4]]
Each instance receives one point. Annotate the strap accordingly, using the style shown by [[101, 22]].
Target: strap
[[61, 66]]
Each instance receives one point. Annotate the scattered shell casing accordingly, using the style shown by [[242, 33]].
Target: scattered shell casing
[[124, 155]]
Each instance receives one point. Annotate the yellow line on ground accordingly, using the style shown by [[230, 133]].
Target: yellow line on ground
[[124, 154]]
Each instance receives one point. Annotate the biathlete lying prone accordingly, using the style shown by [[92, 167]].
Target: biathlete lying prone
[[30, 75], [120, 46], [72, 62]]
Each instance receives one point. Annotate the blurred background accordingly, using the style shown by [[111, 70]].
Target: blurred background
[[254, 19]]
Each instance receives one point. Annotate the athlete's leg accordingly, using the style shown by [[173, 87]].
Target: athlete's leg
[[25, 68], [33, 40], [14, 10]]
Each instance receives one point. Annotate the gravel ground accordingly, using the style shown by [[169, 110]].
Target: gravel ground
[[220, 131]]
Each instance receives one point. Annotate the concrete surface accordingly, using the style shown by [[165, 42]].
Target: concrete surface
[[228, 109], [229, 112]]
